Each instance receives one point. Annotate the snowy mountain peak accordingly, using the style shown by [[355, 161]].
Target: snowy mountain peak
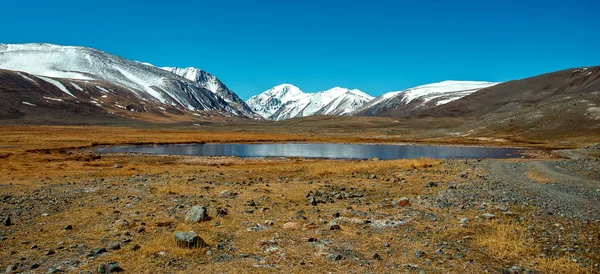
[[288, 101], [284, 90]]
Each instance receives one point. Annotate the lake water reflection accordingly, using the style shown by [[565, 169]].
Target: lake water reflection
[[336, 151]]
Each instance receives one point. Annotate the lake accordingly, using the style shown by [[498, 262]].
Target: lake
[[332, 151]]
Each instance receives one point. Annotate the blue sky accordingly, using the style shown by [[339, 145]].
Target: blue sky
[[375, 45]]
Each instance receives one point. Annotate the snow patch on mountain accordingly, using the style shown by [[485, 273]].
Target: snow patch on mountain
[[421, 97], [58, 84]]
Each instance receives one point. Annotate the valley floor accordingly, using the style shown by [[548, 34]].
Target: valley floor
[[72, 210]]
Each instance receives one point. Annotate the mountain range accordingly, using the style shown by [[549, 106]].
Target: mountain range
[[61, 83], [288, 101]]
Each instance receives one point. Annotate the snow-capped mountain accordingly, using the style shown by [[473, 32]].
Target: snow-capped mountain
[[212, 83], [72, 65], [407, 102], [288, 101]]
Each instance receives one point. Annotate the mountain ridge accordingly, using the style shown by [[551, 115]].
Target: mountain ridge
[[143, 81]]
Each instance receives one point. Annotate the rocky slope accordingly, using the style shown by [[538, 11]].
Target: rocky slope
[[518, 94], [28, 98], [287, 101], [212, 83]]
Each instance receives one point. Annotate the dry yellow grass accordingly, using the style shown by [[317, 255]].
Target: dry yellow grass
[[369, 166], [506, 242], [560, 265]]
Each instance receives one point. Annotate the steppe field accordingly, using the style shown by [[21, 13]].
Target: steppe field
[[66, 208]]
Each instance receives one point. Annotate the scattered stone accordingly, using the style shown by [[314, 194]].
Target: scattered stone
[[502, 208], [431, 184], [49, 252], [309, 227], [117, 166], [463, 221], [98, 251], [377, 257], [114, 246], [334, 257], [257, 227], [223, 258], [196, 214], [372, 176], [334, 226], [488, 216], [141, 229], [336, 215], [402, 202], [11, 268], [7, 221], [419, 253], [227, 194], [189, 240], [136, 247], [68, 227], [122, 224], [312, 240], [312, 200], [34, 247], [111, 267], [34, 266], [55, 270], [221, 212], [290, 225]]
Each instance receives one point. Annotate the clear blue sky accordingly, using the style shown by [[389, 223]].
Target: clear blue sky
[[373, 45]]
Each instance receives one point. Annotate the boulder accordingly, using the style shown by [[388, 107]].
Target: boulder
[[114, 246], [189, 240], [196, 214], [111, 267]]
